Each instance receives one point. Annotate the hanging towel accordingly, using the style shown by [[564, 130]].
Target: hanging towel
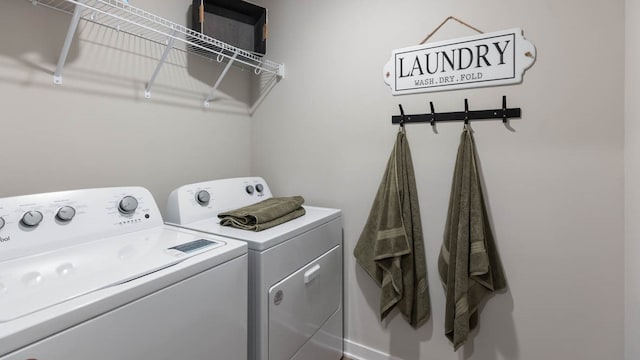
[[468, 264], [391, 246], [265, 214]]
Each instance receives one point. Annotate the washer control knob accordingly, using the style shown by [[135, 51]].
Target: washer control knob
[[1, 222], [128, 205], [31, 218], [203, 197], [259, 188], [249, 189], [66, 213]]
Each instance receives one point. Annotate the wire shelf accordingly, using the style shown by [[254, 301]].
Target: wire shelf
[[121, 16]]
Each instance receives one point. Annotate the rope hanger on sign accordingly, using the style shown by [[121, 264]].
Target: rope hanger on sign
[[444, 22], [529, 54]]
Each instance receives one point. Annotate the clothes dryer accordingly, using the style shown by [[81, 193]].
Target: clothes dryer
[[295, 269], [95, 274]]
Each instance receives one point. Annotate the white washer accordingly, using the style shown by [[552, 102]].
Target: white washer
[[295, 269], [95, 274]]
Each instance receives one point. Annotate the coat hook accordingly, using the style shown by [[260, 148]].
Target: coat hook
[[433, 114], [504, 109], [466, 112], [401, 115]]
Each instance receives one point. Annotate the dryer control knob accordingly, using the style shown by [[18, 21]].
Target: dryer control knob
[[249, 189], [65, 213], [31, 218], [1, 222], [128, 205], [203, 197], [259, 188]]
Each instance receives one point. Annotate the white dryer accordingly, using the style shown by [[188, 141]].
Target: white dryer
[[95, 274], [295, 269]]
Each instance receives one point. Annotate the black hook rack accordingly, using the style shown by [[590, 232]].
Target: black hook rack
[[504, 113]]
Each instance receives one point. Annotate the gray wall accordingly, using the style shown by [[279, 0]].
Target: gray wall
[[554, 184], [97, 129], [632, 178]]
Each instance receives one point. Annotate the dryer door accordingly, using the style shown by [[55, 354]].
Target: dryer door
[[301, 303]]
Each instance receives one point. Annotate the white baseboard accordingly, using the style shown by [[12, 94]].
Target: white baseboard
[[357, 351]]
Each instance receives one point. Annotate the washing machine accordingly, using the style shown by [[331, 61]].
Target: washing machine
[[96, 274], [295, 269]]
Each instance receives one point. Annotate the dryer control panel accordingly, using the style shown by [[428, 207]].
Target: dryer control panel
[[32, 224], [206, 200]]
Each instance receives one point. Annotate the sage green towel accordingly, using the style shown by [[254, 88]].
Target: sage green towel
[[391, 246], [468, 264], [265, 214]]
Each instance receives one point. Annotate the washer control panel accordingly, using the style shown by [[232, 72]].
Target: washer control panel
[[40, 222], [205, 200]]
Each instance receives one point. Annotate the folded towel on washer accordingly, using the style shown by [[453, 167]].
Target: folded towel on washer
[[265, 214], [391, 246], [468, 264]]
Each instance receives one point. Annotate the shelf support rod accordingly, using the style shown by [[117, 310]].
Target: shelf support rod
[[163, 58], [274, 80], [215, 86], [57, 76]]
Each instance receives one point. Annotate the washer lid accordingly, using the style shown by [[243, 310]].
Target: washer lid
[[33, 283], [261, 240]]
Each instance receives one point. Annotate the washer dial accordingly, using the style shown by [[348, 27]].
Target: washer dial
[[249, 189], [31, 218], [259, 188], [203, 197], [128, 205], [66, 213], [1, 222]]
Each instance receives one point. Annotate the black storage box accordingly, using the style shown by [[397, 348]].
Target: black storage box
[[235, 22]]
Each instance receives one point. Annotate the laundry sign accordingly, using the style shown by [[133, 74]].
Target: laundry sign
[[490, 59]]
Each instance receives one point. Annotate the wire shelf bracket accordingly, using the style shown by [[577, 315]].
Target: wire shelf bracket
[[170, 41], [222, 75], [57, 76]]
